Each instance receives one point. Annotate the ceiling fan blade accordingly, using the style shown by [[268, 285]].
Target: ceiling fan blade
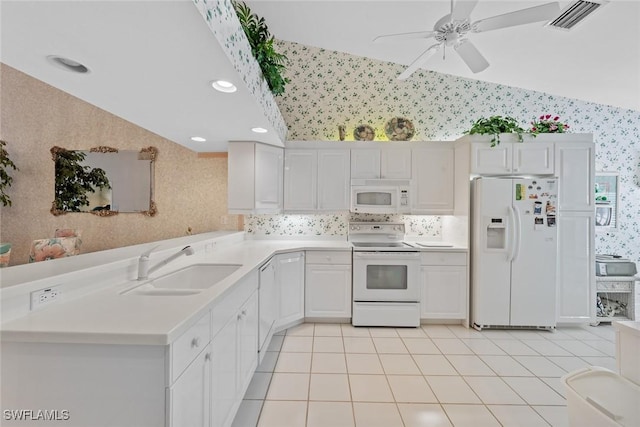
[[404, 36], [462, 9], [420, 60], [543, 12], [471, 56]]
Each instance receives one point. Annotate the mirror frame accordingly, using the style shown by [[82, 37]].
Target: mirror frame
[[147, 153]]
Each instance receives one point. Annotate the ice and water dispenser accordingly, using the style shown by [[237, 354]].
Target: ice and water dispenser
[[496, 229]]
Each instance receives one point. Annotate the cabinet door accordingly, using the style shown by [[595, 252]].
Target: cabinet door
[[190, 395], [575, 170], [224, 383], [395, 164], [365, 163], [247, 342], [241, 180], [333, 180], [290, 279], [300, 180], [576, 267], [268, 178], [328, 291], [488, 160], [433, 184], [268, 304], [533, 158], [444, 292]]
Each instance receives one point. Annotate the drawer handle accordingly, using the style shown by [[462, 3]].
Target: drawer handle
[[195, 343]]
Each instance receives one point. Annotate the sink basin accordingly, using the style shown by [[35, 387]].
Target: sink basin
[[197, 276], [186, 281]]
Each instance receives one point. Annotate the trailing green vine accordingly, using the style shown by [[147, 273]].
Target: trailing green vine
[[495, 125], [261, 41]]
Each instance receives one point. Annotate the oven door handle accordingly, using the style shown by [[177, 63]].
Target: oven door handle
[[388, 255]]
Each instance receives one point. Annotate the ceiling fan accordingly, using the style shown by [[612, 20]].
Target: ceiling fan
[[452, 30]]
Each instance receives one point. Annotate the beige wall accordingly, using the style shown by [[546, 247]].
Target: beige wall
[[190, 191]]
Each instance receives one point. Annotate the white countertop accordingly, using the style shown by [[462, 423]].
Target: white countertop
[[107, 317], [628, 326]]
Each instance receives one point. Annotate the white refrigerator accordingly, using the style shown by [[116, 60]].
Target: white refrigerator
[[514, 251]]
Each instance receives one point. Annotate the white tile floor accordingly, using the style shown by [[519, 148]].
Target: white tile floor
[[330, 375]]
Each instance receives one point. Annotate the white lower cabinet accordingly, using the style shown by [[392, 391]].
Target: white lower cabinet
[[576, 270], [328, 285], [189, 397], [444, 286], [290, 283]]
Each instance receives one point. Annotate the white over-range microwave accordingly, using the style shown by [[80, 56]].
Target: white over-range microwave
[[381, 196]]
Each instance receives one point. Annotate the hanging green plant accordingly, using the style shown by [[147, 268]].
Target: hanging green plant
[[5, 178], [261, 41], [495, 125], [74, 180]]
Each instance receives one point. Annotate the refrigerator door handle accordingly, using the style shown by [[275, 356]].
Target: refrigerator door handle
[[511, 229], [517, 233]]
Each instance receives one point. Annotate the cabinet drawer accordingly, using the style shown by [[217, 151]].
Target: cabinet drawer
[[443, 258], [189, 345], [329, 257]]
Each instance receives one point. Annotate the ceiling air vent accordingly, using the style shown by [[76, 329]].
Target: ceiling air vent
[[575, 13]]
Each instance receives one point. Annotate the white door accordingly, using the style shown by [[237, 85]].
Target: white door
[[576, 270], [534, 158], [444, 292], [395, 164], [247, 341], [300, 180], [386, 276], [491, 250], [268, 303], [224, 373], [433, 182], [328, 291], [333, 180], [488, 160], [189, 396], [290, 279], [534, 256], [268, 178], [575, 171], [365, 163]]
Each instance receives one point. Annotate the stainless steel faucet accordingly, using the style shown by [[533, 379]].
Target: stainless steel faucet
[[143, 262]]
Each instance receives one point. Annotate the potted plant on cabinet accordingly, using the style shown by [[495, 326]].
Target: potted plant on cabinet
[[5, 183], [496, 125], [548, 124], [261, 41]]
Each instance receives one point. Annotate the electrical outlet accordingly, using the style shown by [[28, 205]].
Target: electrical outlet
[[44, 296]]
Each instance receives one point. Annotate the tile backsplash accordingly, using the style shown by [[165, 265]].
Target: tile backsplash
[[335, 225]]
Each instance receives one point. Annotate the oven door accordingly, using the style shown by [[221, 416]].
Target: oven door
[[386, 276], [383, 200]]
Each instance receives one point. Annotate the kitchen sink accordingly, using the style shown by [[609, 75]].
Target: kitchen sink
[[185, 281]]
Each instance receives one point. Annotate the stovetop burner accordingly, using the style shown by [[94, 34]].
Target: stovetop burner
[[378, 236], [380, 245]]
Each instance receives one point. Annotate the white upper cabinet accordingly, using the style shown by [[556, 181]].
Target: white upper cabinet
[[533, 158], [575, 170], [300, 180], [433, 183], [512, 158], [381, 163], [316, 180], [255, 173], [333, 180]]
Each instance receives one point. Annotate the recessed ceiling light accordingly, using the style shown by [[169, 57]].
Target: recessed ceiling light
[[259, 130], [198, 139], [223, 86], [67, 64]]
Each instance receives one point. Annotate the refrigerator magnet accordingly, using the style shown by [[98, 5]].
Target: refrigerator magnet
[[537, 208], [538, 220], [520, 191], [551, 221]]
